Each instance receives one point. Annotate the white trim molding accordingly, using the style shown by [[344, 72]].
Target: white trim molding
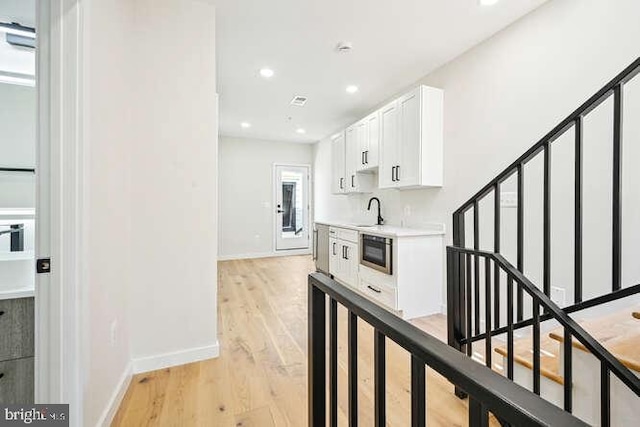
[[176, 358], [60, 206], [116, 398]]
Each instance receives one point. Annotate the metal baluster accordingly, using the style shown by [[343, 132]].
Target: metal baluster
[[617, 178], [568, 371], [476, 266], [487, 310], [418, 398], [605, 396], [577, 287], [333, 363], [496, 249], [478, 415], [468, 292], [536, 347], [510, 327], [520, 235], [317, 357], [352, 355], [379, 379], [546, 281]]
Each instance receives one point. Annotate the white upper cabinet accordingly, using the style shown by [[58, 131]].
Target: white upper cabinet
[[338, 152], [403, 142], [388, 145], [355, 182], [411, 140], [369, 140]]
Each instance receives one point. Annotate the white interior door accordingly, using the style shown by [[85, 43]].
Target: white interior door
[[292, 207]]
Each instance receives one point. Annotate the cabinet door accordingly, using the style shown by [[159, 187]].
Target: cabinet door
[[410, 142], [338, 182], [373, 140], [352, 160], [350, 261], [388, 145], [363, 144], [335, 256]]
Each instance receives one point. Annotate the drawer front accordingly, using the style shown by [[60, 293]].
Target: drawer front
[[383, 294], [16, 381], [348, 235], [16, 328]]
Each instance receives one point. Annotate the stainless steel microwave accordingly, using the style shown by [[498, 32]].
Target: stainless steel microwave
[[376, 252]]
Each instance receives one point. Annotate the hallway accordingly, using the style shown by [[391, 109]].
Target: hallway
[[260, 377]]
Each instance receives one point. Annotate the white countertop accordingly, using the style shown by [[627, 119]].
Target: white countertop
[[17, 293], [389, 230]]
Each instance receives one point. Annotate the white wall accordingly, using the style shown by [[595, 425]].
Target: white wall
[[173, 184], [150, 131], [505, 94], [17, 144], [108, 138], [246, 193]]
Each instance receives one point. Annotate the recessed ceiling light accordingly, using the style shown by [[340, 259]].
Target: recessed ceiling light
[[267, 73], [352, 89], [301, 131], [488, 2], [245, 125]]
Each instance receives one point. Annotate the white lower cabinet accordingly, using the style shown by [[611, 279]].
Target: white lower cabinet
[[415, 288], [343, 255]]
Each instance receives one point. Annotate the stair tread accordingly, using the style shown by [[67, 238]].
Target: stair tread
[[619, 333], [549, 358]]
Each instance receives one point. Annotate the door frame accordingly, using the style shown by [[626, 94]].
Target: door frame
[[60, 205], [274, 179]]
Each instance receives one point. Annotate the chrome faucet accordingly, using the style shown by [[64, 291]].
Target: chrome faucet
[[380, 219]]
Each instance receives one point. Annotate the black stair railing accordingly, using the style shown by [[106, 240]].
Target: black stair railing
[[464, 296], [488, 391], [465, 264]]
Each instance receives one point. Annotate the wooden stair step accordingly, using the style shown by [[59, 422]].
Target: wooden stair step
[[549, 356], [619, 333]]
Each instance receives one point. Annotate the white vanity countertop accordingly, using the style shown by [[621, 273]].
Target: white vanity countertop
[[17, 293], [389, 230]]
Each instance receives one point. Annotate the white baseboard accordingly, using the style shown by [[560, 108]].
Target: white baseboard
[[116, 398], [182, 357], [265, 254]]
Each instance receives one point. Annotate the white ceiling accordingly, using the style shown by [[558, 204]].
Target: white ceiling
[[395, 42]]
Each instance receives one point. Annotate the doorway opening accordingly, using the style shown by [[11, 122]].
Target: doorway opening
[[292, 207]]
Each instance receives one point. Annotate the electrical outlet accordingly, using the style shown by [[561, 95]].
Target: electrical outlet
[[558, 296], [113, 331], [508, 199]]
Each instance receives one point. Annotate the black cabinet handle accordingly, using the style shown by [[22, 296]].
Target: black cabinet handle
[[362, 157], [346, 252], [393, 174], [353, 177], [341, 185], [378, 291], [398, 173], [366, 157], [334, 248]]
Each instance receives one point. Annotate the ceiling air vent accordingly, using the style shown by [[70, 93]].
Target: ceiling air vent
[[299, 101]]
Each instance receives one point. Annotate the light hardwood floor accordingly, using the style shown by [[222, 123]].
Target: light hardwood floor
[[260, 377]]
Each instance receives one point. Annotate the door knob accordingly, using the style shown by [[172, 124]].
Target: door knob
[[280, 211]]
